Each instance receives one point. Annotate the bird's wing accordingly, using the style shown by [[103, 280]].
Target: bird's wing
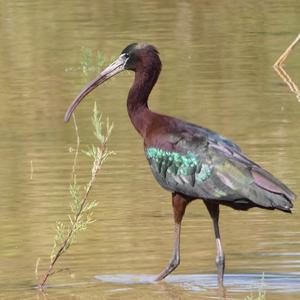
[[206, 165]]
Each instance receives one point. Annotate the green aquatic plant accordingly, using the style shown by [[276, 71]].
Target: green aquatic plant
[[81, 206], [261, 292], [90, 63], [261, 296], [86, 61]]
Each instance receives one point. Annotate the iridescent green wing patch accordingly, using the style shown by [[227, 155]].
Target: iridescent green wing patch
[[177, 164]]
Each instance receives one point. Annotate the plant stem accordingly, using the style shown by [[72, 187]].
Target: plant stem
[[102, 154], [77, 148]]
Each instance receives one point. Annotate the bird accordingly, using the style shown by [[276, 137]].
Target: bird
[[190, 161]]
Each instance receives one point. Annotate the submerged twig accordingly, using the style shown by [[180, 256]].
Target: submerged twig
[[282, 73], [31, 170], [81, 207], [36, 271]]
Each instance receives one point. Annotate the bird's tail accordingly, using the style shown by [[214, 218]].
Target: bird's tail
[[269, 192], [272, 200]]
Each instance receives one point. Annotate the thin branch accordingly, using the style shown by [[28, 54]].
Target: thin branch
[[278, 67], [286, 53]]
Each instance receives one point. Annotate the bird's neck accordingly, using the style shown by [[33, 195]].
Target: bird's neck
[[137, 102]]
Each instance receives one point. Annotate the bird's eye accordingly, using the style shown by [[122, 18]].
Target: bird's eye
[[126, 55]]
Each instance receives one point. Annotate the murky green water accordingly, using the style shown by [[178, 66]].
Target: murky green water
[[217, 59]]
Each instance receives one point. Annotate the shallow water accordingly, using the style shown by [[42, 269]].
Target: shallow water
[[280, 283], [217, 72]]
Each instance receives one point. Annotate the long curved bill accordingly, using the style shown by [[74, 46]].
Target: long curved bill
[[116, 67]]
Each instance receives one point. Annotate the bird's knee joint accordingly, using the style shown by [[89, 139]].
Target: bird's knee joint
[[175, 263]]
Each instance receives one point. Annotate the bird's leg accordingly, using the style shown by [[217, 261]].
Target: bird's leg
[[213, 209], [179, 204]]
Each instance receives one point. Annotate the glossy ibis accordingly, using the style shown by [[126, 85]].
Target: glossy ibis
[[190, 161]]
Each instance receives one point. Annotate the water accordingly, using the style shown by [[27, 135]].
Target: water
[[216, 72]]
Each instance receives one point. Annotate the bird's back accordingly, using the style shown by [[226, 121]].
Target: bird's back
[[200, 163]]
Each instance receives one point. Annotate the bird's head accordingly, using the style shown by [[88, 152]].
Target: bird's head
[[131, 58]]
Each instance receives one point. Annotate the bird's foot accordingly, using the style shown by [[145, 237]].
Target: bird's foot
[[161, 276], [173, 264]]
